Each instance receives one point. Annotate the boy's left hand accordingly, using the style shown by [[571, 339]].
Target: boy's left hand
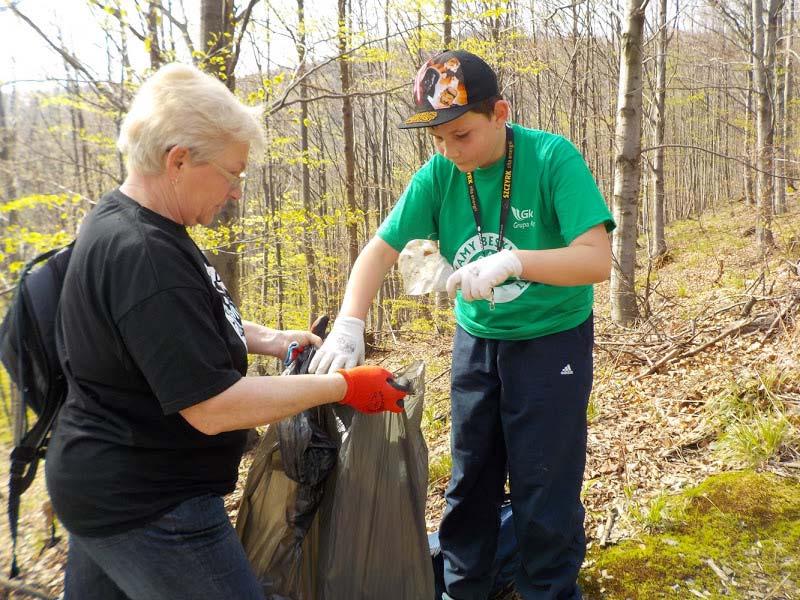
[[477, 279]]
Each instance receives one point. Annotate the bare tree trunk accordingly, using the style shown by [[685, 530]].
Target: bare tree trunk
[[308, 245], [152, 34], [658, 244], [347, 126], [213, 25], [573, 79], [763, 59], [788, 82], [778, 93], [448, 23], [752, 151], [385, 181], [628, 146], [8, 140]]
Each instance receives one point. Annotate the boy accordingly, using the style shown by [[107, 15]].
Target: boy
[[518, 214]]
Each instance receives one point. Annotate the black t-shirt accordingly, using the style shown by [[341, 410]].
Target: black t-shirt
[[149, 330]]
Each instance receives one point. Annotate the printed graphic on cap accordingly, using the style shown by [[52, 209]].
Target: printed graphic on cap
[[423, 117], [440, 85]]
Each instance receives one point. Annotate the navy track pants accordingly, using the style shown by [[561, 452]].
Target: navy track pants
[[518, 409]]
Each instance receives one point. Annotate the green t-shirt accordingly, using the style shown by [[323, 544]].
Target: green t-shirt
[[554, 200]]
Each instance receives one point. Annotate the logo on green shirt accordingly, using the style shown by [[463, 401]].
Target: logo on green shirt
[[470, 250], [523, 218]]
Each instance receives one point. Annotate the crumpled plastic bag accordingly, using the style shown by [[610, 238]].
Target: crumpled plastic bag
[[423, 268], [367, 539]]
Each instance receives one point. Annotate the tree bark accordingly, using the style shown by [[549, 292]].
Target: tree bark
[[213, 25], [347, 127], [152, 34], [308, 238], [627, 172], [788, 82], [763, 61], [448, 23], [779, 180], [658, 244]]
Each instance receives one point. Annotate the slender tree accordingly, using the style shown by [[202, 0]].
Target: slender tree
[[627, 162], [447, 23], [763, 64], [788, 82], [215, 22], [347, 127], [153, 44], [658, 244], [308, 246]]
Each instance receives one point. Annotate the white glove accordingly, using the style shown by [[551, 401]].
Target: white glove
[[477, 279], [342, 349]]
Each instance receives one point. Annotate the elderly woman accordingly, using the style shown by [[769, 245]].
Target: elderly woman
[[151, 435]]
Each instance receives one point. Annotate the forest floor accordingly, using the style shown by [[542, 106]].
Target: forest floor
[[704, 391]]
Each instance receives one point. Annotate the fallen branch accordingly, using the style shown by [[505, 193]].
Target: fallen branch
[[669, 356], [675, 353], [780, 317]]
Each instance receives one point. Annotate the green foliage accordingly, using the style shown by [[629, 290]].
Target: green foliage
[[752, 443], [440, 467], [660, 513], [40, 201], [750, 418], [433, 423]]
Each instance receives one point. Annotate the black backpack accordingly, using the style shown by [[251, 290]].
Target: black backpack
[[28, 352]]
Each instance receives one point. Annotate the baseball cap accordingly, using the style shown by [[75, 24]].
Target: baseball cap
[[448, 85]]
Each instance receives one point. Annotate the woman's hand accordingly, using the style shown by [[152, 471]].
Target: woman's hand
[[275, 342], [285, 338]]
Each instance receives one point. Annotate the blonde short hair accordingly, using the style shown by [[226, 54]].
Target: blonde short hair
[[179, 105]]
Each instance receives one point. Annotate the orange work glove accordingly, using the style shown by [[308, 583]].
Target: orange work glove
[[369, 390]]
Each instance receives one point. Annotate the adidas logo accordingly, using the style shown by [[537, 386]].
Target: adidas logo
[[567, 370]]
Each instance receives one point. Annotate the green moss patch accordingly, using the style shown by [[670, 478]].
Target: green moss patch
[[734, 536]]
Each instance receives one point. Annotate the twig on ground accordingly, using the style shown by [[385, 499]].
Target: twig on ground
[[608, 526], [723, 576], [447, 370], [775, 590], [779, 318]]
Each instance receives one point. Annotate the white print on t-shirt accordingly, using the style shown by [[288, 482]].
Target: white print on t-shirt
[[231, 312], [471, 250], [523, 218]]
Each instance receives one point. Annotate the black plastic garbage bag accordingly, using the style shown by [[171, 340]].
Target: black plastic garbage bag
[[368, 537], [308, 452], [291, 464]]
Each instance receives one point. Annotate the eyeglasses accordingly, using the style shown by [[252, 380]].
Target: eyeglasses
[[236, 182]]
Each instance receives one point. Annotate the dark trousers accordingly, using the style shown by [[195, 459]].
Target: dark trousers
[[191, 552], [518, 408]]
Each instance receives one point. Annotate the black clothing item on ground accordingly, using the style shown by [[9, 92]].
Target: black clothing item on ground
[[149, 330]]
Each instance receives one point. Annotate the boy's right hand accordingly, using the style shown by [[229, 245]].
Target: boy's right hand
[[369, 390], [343, 348]]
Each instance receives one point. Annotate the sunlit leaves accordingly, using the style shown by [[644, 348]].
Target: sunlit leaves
[[47, 201]]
